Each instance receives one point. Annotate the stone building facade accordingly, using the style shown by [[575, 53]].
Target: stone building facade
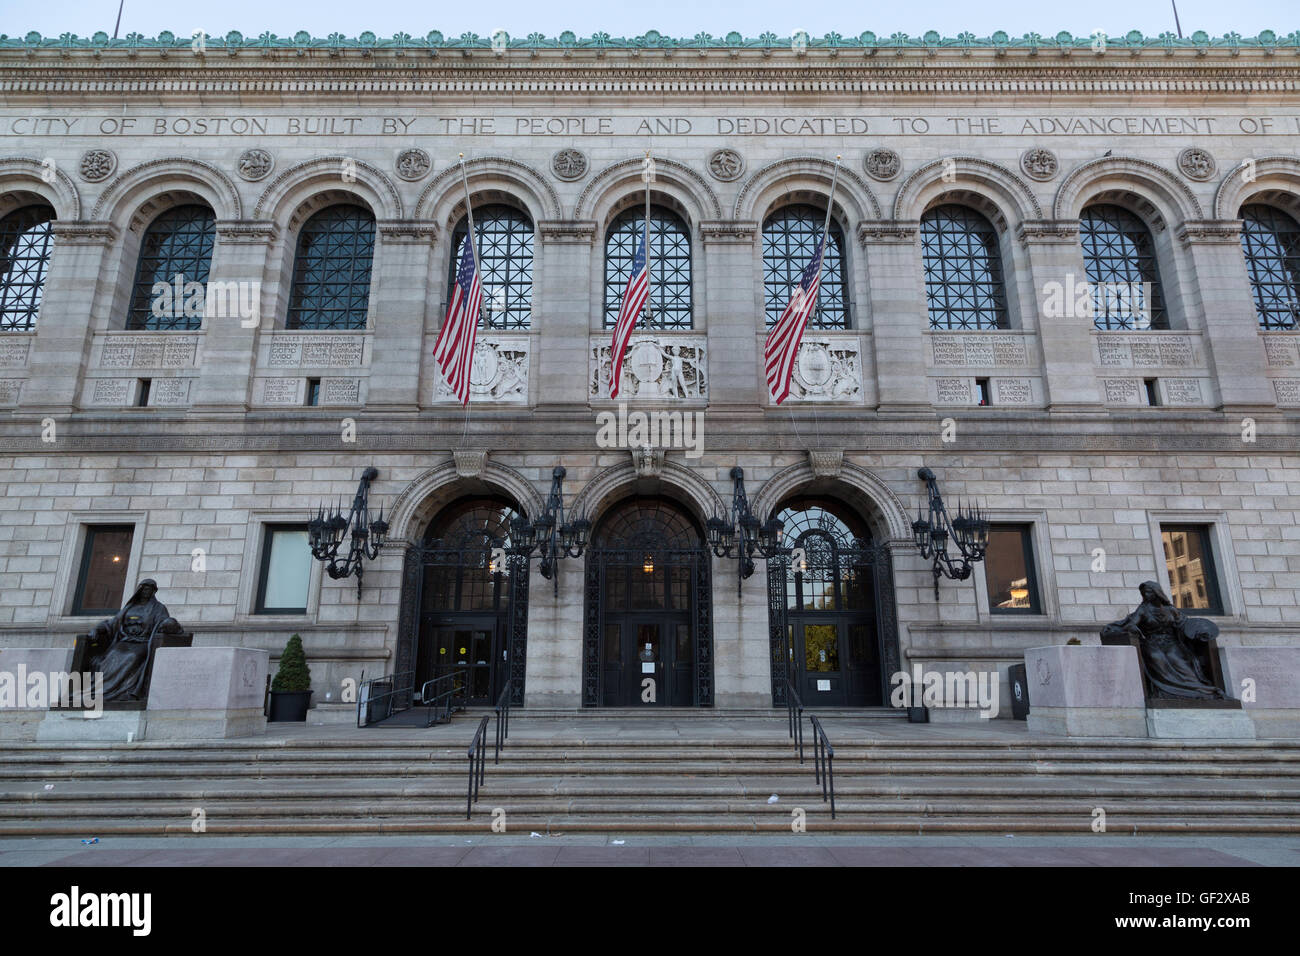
[[975, 179]]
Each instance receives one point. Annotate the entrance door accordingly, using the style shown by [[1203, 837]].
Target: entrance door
[[834, 661], [468, 644], [648, 662]]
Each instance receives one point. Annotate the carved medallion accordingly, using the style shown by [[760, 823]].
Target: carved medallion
[[1196, 163], [97, 165], [1039, 164], [413, 164], [255, 164], [726, 165], [883, 164], [569, 164]]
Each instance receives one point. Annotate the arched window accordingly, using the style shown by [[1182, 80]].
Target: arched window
[[331, 272], [24, 257], [669, 305], [963, 270], [825, 534], [790, 238], [505, 260], [469, 530], [171, 275], [1271, 241], [1120, 260]]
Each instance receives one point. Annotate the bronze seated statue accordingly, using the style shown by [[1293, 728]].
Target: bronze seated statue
[[1177, 654], [122, 648]]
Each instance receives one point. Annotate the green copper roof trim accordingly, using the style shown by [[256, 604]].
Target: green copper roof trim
[[1134, 41]]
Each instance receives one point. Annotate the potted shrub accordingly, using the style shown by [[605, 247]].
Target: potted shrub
[[291, 688]]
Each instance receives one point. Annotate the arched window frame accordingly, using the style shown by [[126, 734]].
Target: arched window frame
[[1270, 241], [351, 229], [962, 264], [671, 269], [1123, 271], [505, 237], [26, 238], [176, 252], [828, 535], [790, 237], [470, 530]]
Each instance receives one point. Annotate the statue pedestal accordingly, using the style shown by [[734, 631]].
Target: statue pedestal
[[199, 692], [111, 726], [1267, 679], [1208, 722], [1085, 691]]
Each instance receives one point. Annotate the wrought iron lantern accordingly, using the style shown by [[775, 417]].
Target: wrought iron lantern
[[554, 537], [327, 533], [969, 532], [755, 539]]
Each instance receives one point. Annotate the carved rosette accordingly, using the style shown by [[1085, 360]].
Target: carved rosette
[[413, 164], [97, 165], [569, 164], [1039, 164], [1196, 163], [255, 164], [883, 164], [726, 165], [498, 371], [665, 367], [828, 369]]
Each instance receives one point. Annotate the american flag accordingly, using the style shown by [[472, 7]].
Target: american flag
[[454, 352], [782, 345], [638, 289]]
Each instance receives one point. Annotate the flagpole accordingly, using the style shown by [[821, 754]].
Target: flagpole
[[473, 251], [826, 225], [649, 175]]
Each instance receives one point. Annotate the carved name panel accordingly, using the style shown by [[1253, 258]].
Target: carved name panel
[[953, 391], [1122, 391], [280, 391], [1013, 391], [112, 391], [169, 391], [1150, 351], [316, 351], [1288, 390], [14, 354], [978, 351], [158, 351], [9, 389], [340, 391], [655, 366], [1182, 391], [828, 369], [498, 373], [1281, 351]]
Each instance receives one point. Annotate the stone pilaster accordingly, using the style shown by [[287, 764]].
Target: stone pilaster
[[229, 359], [896, 284], [730, 322], [61, 347], [404, 283], [562, 309], [1064, 338], [1233, 347]]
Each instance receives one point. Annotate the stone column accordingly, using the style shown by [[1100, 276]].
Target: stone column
[[229, 347], [896, 285], [404, 284], [61, 346], [1064, 339], [735, 365], [1234, 349], [562, 312]]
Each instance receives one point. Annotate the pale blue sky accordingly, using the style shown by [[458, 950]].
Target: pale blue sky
[[682, 18]]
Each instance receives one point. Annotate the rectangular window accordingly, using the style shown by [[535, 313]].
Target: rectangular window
[[101, 582], [1009, 570], [313, 391], [286, 570], [1189, 559], [982, 393]]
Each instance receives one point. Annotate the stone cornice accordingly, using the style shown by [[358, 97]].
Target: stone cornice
[[728, 230], [403, 230], [1210, 231], [887, 230], [567, 230], [83, 232], [1048, 231], [246, 230]]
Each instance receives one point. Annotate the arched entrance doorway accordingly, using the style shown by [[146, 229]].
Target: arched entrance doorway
[[470, 613], [831, 607], [647, 637]]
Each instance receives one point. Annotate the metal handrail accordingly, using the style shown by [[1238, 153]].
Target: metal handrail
[[366, 698], [794, 710], [477, 754], [503, 719], [823, 761], [444, 698]]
